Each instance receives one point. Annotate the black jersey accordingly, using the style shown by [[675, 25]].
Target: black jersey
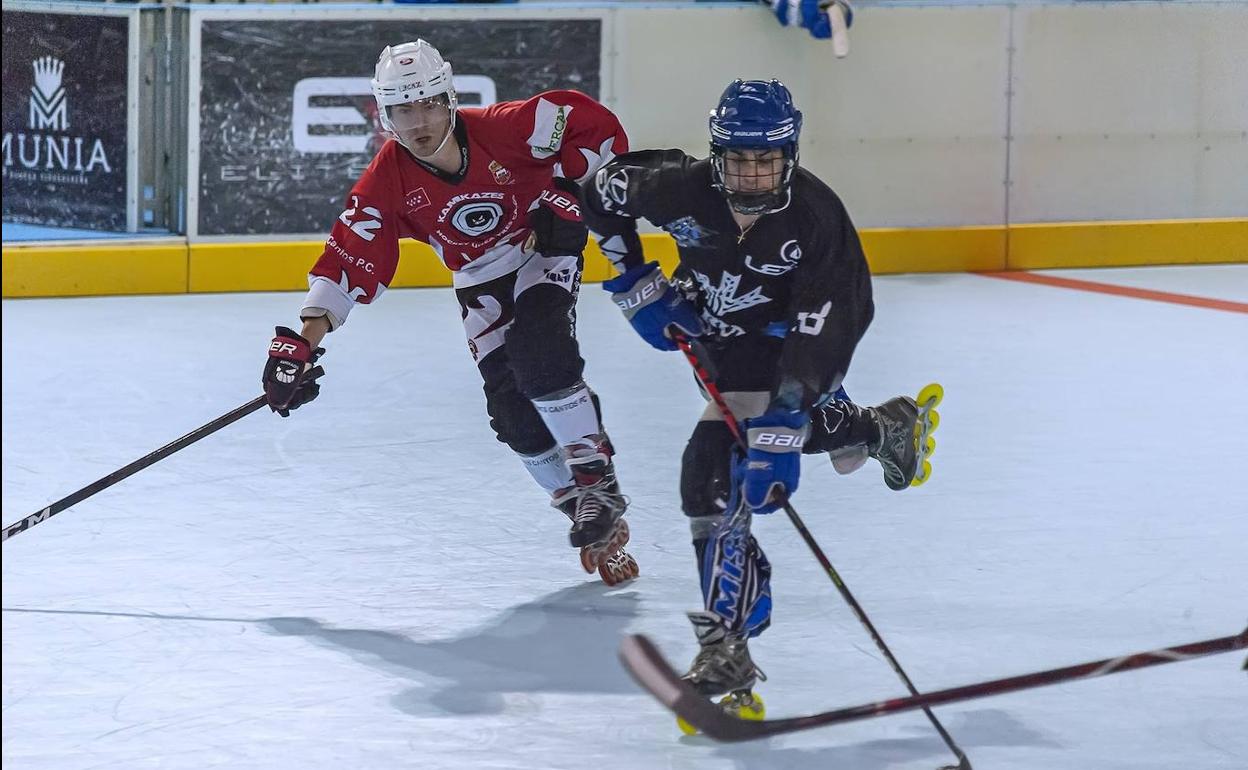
[[785, 302]]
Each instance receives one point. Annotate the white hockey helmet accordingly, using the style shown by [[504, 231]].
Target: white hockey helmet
[[412, 72]]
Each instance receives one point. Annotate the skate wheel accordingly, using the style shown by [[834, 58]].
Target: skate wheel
[[930, 396], [736, 705], [932, 420], [618, 569], [923, 475], [749, 707], [929, 447], [593, 556]]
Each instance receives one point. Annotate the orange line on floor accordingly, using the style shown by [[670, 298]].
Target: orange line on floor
[[1119, 291]]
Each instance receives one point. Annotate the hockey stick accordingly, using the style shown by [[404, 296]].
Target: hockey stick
[[141, 463], [652, 671], [708, 383]]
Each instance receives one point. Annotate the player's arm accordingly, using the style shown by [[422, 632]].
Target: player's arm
[[829, 311], [822, 18], [573, 131], [639, 185], [575, 135], [357, 263], [635, 186], [359, 259]]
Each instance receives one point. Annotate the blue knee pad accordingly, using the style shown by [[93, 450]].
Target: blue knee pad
[[736, 577]]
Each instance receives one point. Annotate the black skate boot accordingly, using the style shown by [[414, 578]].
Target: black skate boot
[[599, 504], [723, 666], [613, 567], [897, 449], [905, 442], [723, 663]]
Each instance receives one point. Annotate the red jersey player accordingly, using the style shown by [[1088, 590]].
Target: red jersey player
[[494, 191]]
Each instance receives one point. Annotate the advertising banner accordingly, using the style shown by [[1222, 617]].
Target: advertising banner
[[287, 121], [64, 113]]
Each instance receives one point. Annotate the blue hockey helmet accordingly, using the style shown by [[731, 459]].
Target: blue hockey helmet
[[755, 115]]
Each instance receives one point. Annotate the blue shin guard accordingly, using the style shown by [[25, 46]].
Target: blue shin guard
[[736, 577]]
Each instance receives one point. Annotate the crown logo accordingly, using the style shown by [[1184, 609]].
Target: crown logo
[[47, 97]]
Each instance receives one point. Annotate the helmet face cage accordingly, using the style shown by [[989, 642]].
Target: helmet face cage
[[754, 115], [755, 198]]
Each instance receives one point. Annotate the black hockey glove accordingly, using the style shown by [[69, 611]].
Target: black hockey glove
[[556, 222], [289, 375]]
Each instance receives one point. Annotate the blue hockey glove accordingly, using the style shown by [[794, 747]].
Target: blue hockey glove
[[651, 305], [813, 15], [773, 462]]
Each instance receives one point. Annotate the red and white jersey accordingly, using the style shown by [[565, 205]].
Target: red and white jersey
[[477, 224]]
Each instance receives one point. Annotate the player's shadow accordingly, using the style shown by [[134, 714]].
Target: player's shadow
[[563, 642], [970, 729]]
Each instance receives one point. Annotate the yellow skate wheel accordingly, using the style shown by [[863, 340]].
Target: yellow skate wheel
[[923, 475], [932, 392], [933, 420], [747, 706], [929, 446]]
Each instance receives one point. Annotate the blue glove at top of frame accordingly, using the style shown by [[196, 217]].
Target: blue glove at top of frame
[[651, 305], [773, 462], [811, 14]]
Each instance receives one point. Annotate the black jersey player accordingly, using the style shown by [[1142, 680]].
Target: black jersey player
[[773, 282]]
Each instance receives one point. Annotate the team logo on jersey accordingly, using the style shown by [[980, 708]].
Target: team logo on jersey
[[501, 175], [474, 214], [476, 219], [723, 299], [688, 233], [612, 187], [790, 254], [416, 199]]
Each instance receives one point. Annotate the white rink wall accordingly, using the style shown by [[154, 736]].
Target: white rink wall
[[948, 115]]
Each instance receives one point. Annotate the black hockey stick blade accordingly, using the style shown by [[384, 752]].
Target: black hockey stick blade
[[642, 659], [652, 671]]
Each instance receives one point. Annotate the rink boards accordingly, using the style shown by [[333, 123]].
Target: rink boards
[[1035, 143]]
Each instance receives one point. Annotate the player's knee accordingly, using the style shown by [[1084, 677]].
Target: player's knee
[[518, 425], [541, 344], [705, 473]]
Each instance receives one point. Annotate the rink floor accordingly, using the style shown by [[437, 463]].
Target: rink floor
[[376, 583]]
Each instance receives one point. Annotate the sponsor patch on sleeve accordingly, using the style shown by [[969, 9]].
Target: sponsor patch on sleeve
[[549, 124]]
